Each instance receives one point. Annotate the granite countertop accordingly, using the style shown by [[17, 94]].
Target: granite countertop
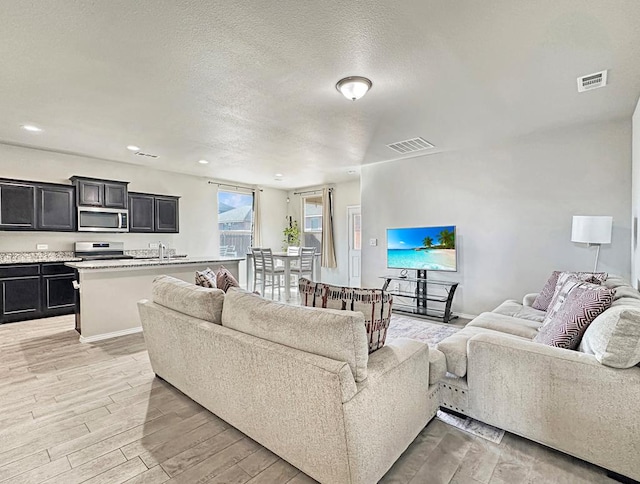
[[39, 256], [136, 263]]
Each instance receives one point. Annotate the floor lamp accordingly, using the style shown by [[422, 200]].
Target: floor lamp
[[592, 230]]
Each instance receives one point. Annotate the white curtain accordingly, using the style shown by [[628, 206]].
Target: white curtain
[[257, 219], [328, 258]]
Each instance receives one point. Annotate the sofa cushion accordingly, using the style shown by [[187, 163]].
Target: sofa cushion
[[225, 280], [374, 304], [614, 337], [206, 278], [581, 305], [614, 282], [517, 310], [195, 301], [524, 328], [543, 300], [339, 335]]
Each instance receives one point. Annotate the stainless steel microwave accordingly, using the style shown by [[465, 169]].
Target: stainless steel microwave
[[92, 219]]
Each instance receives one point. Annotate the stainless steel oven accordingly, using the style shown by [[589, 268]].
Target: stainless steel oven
[[92, 219]]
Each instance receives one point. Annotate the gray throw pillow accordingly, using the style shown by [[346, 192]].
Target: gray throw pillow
[[614, 337]]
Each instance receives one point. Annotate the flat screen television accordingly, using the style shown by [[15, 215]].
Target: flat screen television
[[422, 248]]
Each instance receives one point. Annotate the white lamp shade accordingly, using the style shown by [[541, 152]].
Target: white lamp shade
[[591, 229]]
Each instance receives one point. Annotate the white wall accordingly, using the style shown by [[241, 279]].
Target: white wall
[[635, 197], [198, 203], [512, 205], [344, 195]]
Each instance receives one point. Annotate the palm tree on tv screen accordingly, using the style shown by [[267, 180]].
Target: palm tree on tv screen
[[447, 239], [428, 241]]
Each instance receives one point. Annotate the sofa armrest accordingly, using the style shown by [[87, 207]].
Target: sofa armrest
[[564, 399], [390, 409], [528, 299]]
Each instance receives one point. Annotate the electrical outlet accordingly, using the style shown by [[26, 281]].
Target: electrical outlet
[[42, 246], [373, 242], [153, 245]]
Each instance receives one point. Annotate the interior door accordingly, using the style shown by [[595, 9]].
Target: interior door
[[355, 245]]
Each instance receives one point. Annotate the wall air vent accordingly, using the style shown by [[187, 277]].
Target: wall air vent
[[410, 146], [592, 81], [146, 155]]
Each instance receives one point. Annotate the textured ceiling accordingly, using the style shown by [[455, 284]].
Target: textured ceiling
[[249, 86]]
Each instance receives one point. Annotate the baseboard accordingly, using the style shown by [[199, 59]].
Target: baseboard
[[115, 334]]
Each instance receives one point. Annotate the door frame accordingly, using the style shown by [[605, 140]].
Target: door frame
[[349, 209]]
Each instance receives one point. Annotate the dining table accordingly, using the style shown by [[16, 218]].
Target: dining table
[[286, 260]]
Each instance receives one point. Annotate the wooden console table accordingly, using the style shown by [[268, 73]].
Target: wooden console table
[[431, 304]]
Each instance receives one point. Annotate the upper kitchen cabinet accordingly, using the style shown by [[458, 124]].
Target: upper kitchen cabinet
[[100, 193], [56, 208], [17, 206], [167, 214], [141, 212]]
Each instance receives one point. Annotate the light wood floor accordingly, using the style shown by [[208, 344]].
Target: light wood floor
[[72, 413]]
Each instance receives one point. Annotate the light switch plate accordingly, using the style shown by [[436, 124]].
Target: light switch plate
[[42, 246], [373, 242], [153, 245]]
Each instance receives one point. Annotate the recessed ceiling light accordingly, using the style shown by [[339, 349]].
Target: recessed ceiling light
[[354, 87], [32, 128], [203, 162], [133, 148], [278, 175]]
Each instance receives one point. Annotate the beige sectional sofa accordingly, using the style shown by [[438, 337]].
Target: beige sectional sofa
[[585, 403], [297, 380]]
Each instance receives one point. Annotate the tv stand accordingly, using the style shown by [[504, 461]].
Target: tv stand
[[430, 304]]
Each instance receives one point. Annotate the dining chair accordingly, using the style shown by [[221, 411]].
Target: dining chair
[[258, 268], [273, 274], [304, 266], [293, 250]]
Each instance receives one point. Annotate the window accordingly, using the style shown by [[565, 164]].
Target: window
[[235, 222], [312, 226]]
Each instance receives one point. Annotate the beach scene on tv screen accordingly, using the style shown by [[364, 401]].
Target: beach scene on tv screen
[[430, 248]]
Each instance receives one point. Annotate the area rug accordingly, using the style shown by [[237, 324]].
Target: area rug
[[418, 329], [471, 426]]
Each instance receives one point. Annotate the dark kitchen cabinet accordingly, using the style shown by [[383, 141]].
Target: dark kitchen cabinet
[[167, 214], [115, 195], [100, 193], [17, 206], [154, 213], [30, 291], [58, 293], [141, 212], [56, 208], [20, 295]]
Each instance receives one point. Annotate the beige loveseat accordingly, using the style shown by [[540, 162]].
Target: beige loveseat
[[297, 380], [567, 400]]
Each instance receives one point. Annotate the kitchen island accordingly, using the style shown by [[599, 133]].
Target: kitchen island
[[109, 290]]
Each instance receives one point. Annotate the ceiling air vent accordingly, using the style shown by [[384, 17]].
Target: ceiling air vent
[[146, 155], [592, 81], [410, 145]]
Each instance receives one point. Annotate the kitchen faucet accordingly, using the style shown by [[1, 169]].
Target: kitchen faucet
[[161, 251]]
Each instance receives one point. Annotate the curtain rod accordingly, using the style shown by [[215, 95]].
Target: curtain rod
[[310, 191], [234, 186]]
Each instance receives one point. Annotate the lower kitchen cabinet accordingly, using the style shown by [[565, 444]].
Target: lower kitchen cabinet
[[31, 291]]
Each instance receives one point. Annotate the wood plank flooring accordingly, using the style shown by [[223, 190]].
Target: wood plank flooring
[[94, 413]]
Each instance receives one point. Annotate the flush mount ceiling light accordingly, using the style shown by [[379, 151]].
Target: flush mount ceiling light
[[203, 162], [354, 87], [31, 127], [133, 148]]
